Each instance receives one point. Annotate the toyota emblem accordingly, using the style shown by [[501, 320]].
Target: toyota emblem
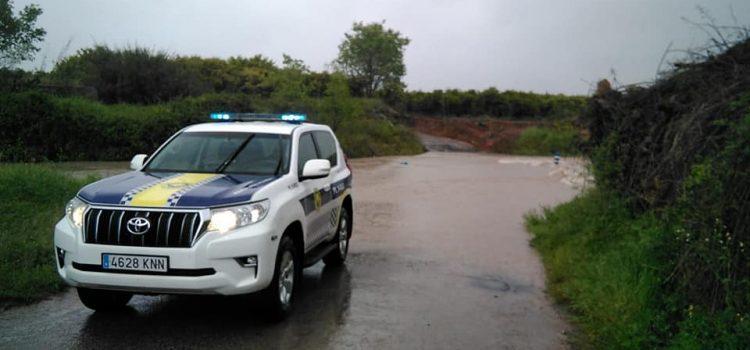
[[138, 225]]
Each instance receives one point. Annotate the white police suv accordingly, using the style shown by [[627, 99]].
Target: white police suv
[[229, 207]]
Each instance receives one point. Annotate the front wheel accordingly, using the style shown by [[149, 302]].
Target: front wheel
[[337, 256], [103, 300], [281, 293]]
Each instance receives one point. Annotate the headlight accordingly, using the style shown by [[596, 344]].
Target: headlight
[[226, 219], [74, 211]]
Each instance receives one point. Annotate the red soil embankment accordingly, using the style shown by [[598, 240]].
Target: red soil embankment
[[486, 134]]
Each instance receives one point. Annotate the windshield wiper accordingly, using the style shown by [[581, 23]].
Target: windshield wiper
[[224, 164]]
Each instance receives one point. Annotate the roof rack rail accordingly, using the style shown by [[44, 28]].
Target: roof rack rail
[[265, 117]]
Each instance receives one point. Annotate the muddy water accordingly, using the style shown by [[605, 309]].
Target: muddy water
[[439, 260]]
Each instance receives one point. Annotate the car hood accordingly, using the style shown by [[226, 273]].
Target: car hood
[[142, 189]]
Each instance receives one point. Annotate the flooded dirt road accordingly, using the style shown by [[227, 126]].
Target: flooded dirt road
[[439, 260]]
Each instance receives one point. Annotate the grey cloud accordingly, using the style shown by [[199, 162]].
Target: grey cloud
[[544, 46]]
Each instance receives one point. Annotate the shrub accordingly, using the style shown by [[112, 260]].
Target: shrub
[[144, 76], [676, 157], [373, 137], [39, 127], [131, 75], [654, 135], [546, 140]]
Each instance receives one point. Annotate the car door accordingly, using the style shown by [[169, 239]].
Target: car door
[[330, 205], [316, 219]]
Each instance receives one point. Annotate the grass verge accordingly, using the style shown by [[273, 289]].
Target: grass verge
[[32, 199], [600, 263], [616, 271]]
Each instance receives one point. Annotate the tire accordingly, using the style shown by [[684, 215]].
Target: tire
[[103, 300], [280, 295], [337, 256]]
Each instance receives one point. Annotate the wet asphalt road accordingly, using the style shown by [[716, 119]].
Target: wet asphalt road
[[439, 260]]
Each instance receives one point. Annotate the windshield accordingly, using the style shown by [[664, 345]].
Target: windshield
[[223, 152]]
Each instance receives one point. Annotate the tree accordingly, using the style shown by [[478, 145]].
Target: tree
[[372, 56], [337, 107], [290, 90], [128, 75], [18, 34], [256, 73]]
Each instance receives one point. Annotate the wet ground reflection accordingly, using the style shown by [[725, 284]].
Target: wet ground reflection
[[196, 321]]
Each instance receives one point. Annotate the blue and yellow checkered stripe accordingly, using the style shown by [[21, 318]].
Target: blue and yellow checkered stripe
[[166, 192]]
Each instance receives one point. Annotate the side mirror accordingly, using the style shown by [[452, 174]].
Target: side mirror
[[316, 169], [137, 162]]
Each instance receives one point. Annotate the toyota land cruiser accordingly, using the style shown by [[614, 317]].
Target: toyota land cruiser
[[235, 206]]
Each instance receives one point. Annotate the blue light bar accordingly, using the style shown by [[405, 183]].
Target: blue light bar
[[290, 118], [293, 117], [220, 116]]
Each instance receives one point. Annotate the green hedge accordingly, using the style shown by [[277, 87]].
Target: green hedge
[[491, 102], [35, 126]]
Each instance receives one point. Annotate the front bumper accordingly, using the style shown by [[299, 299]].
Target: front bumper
[[209, 267]]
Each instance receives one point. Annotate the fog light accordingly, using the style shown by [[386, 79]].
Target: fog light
[[248, 261], [60, 257]]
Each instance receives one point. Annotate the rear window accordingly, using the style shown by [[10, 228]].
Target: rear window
[[326, 146], [306, 151]]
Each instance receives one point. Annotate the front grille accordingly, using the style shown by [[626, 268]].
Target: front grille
[[170, 229]]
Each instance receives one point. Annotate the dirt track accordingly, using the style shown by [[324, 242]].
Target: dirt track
[[444, 144], [439, 260], [485, 134]]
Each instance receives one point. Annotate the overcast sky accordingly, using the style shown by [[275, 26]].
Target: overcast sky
[[557, 46]]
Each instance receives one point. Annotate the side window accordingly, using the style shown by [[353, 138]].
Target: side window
[[306, 152], [327, 146]]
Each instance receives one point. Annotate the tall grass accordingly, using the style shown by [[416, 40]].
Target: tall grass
[[32, 199]]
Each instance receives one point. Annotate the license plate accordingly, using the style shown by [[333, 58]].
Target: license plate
[[135, 262]]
